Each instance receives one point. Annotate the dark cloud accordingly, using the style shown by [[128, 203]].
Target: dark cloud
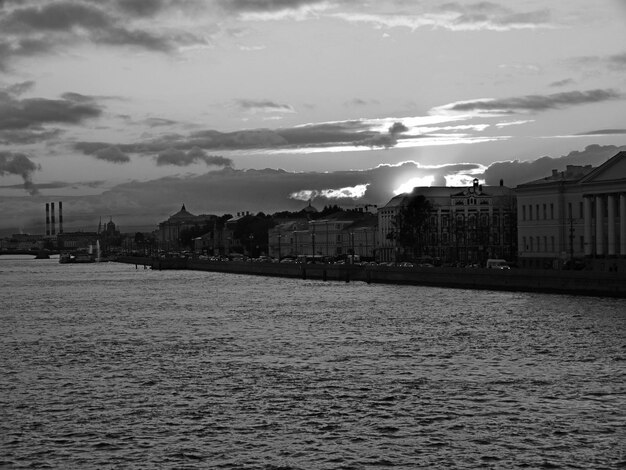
[[560, 83], [61, 16], [67, 23], [19, 88], [141, 8], [264, 106], [19, 164], [33, 112], [270, 190], [143, 204], [177, 157], [28, 136], [358, 102], [532, 103], [242, 6], [519, 172], [378, 140], [604, 132], [23, 47], [346, 133], [112, 154], [617, 61], [157, 122], [613, 62], [397, 128], [494, 16]]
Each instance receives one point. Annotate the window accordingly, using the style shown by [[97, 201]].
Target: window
[[570, 214], [552, 211], [530, 212], [523, 212], [545, 212], [545, 243], [524, 246], [531, 243], [552, 243], [581, 210], [339, 238]]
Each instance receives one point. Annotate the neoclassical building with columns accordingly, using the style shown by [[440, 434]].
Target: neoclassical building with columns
[[575, 216]]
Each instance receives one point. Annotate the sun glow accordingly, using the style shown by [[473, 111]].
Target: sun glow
[[408, 186]]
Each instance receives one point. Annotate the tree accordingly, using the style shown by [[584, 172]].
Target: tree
[[410, 222]]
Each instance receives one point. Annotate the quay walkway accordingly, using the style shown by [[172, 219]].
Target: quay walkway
[[591, 283]]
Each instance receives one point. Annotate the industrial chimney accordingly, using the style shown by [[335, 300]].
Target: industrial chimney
[[60, 217], [52, 221], [47, 219]]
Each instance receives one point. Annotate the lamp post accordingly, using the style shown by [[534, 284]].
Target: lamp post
[[352, 247], [313, 245], [295, 238], [251, 240], [365, 233]]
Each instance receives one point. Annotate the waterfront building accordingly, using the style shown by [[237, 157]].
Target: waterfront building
[[576, 214], [337, 235], [228, 242], [283, 238], [71, 241], [22, 242], [169, 231], [466, 225]]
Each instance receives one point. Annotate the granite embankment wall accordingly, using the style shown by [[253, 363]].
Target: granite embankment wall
[[610, 284]]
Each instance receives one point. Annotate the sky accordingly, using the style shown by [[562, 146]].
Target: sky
[[127, 109]]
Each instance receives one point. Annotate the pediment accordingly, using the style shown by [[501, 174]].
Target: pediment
[[612, 170]]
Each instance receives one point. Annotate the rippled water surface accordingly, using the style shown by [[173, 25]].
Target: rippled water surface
[[108, 366]]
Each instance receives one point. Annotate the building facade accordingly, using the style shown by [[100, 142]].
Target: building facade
[[338, 235], [169, 231], [467, 225], [575, 215]]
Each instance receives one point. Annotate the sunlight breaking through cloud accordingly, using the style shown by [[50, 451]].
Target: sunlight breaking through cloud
[[349, 192], [408, 186]]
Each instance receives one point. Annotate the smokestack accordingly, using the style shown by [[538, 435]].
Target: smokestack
[[60, 217], [52, 222], [47, 219]]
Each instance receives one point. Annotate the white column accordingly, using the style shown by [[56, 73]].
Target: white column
[[587, 216], [622, 224], [611, 224], [599, 225]]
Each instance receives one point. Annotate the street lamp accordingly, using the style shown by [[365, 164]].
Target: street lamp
[[295, 237], [352, 247], [250, 238]]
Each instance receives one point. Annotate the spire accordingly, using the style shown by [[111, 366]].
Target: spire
[[183, 208]]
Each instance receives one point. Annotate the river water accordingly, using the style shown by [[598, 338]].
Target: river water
[[109, 366]]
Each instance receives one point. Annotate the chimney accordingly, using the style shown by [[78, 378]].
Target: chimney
[[501, 182], [52, 222], [60, 217], [555, 173], [47, 219]]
